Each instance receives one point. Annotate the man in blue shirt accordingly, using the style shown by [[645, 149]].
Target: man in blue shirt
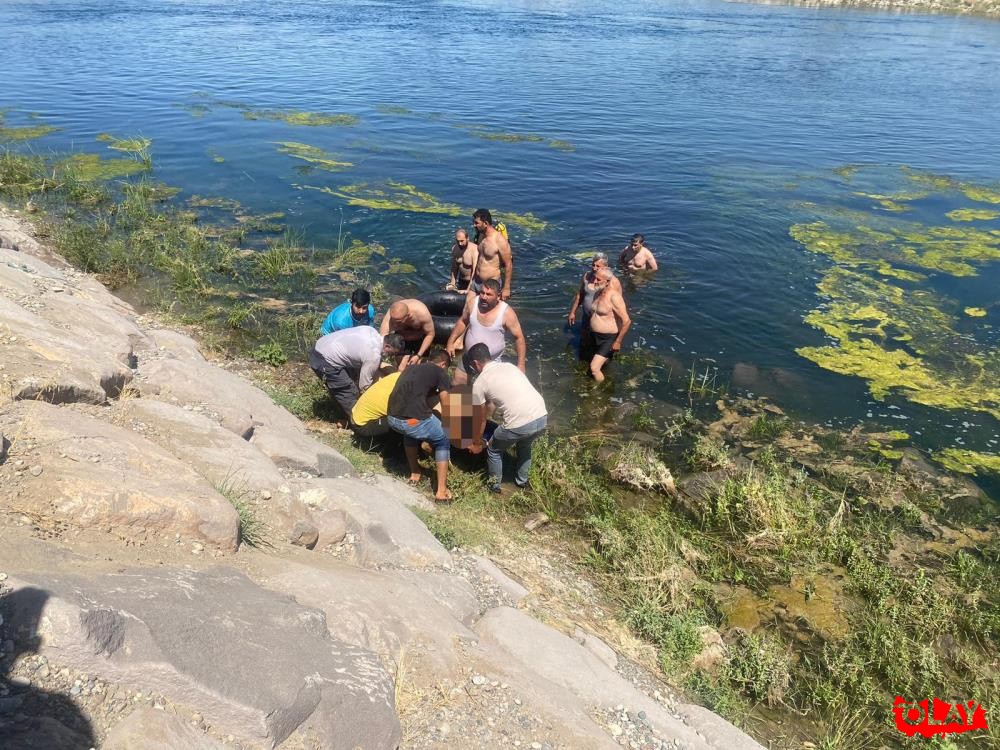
[[358, 312]]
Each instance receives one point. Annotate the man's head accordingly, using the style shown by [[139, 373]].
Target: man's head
[[602, 277], [482, 219], [461, 238], [440, 358], [360, 299], [393, 345], [489, 295], [398, 312], [637, 241], [600, 260], [476, 358]]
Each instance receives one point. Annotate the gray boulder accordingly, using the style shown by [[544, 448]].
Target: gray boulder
[[88, 473], [409, 615], [150, 729], [243, 409], [571, 680], [254, 663], [387, 532]]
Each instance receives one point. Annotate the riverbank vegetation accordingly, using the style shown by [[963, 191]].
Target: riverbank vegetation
[[793, 577]]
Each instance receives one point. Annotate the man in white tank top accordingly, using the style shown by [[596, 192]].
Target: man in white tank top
[[487, 320]]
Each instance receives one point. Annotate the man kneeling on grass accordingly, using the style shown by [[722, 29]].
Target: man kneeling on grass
[[410, 415], [518, 409]]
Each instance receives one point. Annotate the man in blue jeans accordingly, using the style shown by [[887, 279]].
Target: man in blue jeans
[[518, 409], [410, 415]]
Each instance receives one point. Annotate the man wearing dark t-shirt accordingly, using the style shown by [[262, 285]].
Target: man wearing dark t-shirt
[[410, 415]]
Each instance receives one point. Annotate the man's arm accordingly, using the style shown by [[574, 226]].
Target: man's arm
[[513, 324], [384, 328], [651, 260], [478, 427], [576, 302], [456, 263], [368, 370], [624, 321], [460, 326], [425, 345], [507, 259]]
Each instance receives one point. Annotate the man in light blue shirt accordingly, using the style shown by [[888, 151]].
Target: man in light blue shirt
[[358, 312]]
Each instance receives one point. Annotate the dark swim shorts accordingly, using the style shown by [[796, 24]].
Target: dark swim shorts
[[603, 343]]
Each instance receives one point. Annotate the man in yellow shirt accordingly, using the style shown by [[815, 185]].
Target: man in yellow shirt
[[368, 417]]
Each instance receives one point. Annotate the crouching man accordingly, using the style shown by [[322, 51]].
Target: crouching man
[[518, 409]]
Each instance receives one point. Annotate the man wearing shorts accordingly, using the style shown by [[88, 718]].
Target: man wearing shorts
[[411, 416], [609, 322]]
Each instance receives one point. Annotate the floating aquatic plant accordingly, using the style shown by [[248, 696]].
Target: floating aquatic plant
[[24, 133], [490, 134], [968, 462], [295, 117], [972, 214], [901, 341], [390, 109], [215, 156], [399, 267], [137, 145], [201, 201], [313, 155], [401, 196], [92, 168], [975, 312], [943, 183]]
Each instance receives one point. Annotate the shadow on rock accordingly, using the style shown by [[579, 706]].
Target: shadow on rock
[[32, 718]]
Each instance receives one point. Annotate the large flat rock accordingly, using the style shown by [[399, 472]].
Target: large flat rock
[[149, 729], [387, 531], [88, 473], [412, 616], [253, 662], [560, 673], [243, 409]]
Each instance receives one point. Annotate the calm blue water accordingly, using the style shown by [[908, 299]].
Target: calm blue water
[[701, 124]]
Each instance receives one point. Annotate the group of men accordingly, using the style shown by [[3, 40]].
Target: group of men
[[349, 357]]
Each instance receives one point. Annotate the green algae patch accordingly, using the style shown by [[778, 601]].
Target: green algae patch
[[314, 156], [137, 145], [24, 133], [399, 267], [847, 171], [490, 134], [391, 109], [901, 341], [401, 196], [202, 201], [968, 462], [975, 312], [887, 202], [972, 214], [196, 110], [953, 250], [215, 156], [296, 117], [943, 183], [92, 168]]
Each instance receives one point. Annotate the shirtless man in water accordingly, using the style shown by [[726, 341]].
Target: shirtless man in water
[[411, 319], [494, 250], [588, 288], [636, 256], [609, 322], [464, 257]]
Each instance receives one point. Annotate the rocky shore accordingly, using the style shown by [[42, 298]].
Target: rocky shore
[[184, 565], [988, 8]]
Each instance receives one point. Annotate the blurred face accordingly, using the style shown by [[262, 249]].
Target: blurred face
[[462, 239], [636, 244], [488, 299], [479, 224], [359, 311]]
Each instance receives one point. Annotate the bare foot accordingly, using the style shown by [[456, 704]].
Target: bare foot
[[415, 478]]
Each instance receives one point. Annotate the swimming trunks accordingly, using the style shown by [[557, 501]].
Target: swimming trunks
[[603, 343]]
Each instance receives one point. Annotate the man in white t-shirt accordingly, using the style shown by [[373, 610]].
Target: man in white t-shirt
[[518, 409]]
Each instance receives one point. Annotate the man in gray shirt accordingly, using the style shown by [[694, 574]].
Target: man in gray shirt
[[348, 360]]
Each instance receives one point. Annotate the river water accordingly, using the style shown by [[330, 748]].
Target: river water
[[710, 127]]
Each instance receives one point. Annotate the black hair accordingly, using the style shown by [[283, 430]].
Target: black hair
[[477, 353], [639, 237], [493, 284], [361, 298], [439, 357], [484, 214]]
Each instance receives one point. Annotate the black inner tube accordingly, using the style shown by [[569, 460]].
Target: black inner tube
[[445, 308]]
